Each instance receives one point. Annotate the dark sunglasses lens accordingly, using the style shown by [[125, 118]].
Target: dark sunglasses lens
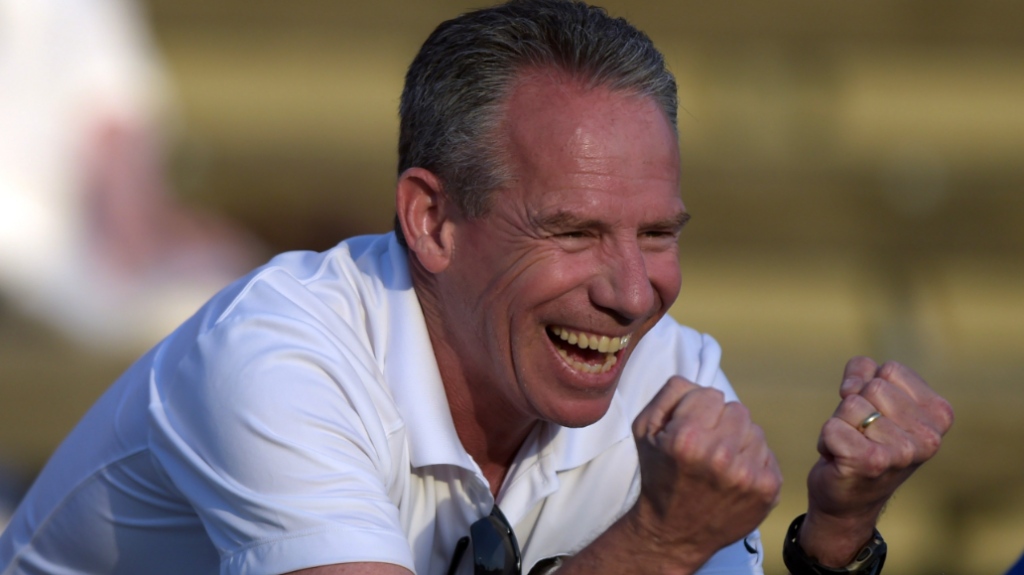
[[495, 549]]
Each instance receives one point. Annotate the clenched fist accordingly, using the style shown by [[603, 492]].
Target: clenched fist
[[708, 477], [861, 467]]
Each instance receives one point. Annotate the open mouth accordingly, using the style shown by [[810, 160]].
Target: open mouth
[[587, 352]]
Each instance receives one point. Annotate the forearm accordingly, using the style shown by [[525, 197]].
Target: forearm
[[628, 548]]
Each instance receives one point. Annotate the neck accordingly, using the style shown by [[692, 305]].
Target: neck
[[491, 428], [486, 431]]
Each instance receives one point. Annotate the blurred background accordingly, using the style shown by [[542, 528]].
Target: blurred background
[[855, 172]]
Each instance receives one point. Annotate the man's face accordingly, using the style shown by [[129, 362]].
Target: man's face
[[580, 249]]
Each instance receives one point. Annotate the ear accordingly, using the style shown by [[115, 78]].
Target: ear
[[427, 218]]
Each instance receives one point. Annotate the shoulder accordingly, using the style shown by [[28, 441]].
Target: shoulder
[[671, 349], [338, 294], [292, 342], [345, 281]]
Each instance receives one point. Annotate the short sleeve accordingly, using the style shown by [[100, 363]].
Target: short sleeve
[[268, 426]]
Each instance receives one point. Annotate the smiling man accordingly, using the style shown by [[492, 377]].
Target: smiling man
[[492, 388]]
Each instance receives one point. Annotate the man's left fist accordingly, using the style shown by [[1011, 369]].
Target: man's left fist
[[861, 466]]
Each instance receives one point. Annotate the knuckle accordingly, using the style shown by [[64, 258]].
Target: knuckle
[[685, 443], [944, 412], [906, 453], [859, 361], [639, 426], [678, 381], [764, 487], [713, 394], [743, 478], [743, 410], [875, 389], [931, 440], [861, 365], [831, 426], [846, 404], [770, 485], [876, 463], [721, 459], [850, 405], [709, 400], [890, 369], [738, 410]]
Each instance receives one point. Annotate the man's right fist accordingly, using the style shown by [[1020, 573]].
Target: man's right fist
[[708, 478]]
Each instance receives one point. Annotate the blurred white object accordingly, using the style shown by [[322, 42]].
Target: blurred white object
[[90, 240]]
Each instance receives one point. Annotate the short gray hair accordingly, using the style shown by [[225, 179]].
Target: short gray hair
[[463, 75]]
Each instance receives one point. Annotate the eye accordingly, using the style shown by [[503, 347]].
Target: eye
[[656, 234], [573, 235], [574, 240], [659, 240]]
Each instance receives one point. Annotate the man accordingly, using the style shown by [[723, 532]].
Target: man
[[469, 383]]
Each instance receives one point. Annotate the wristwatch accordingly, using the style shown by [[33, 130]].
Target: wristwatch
[[869, 559]]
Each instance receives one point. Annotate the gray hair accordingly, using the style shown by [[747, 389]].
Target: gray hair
[[458, 83]]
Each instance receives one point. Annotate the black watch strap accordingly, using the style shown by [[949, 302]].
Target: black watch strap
[[869, 559]]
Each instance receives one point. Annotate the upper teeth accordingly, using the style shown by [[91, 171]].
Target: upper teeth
[[601, 343]]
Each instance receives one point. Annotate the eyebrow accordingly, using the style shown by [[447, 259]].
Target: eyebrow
[[675, 223], [563, 220]]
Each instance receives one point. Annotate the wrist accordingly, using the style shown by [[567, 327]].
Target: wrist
[[657, 551], [869, 560], [834, 540]]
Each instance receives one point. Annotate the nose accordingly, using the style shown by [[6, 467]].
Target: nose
[[624, 286]]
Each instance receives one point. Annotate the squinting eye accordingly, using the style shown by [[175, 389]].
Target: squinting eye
[[574, 235]]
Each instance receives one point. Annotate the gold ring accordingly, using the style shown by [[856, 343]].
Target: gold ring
[[869, 420]]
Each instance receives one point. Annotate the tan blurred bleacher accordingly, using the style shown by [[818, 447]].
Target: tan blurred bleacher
[[855, 171]]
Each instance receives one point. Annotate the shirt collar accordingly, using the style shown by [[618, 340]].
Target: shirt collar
[[573, 447], [411, 372], [410, 369], [554, 449]]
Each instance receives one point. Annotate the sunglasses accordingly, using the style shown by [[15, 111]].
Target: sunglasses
[[495, 549]]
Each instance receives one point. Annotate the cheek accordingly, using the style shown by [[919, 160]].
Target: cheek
[[547, 276], [665, 275]]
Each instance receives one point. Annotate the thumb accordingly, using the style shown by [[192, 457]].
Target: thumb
[[823, 449], [657, 413]]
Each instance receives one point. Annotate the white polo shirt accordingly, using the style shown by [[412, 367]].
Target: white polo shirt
[[299, 419]]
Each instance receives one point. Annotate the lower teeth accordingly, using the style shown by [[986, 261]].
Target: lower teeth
[[609, 362]]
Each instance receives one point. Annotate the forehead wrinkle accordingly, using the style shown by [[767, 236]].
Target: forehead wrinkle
[[597, 179], [595, 162]]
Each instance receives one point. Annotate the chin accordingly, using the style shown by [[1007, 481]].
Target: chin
[[578, 413]]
